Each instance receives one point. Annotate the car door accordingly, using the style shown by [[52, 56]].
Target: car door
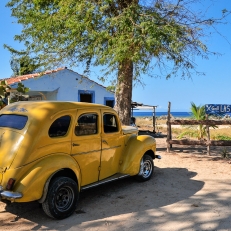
[[111, 144], [86, 144]]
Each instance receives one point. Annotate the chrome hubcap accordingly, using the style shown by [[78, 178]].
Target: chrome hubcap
[[145, 168]]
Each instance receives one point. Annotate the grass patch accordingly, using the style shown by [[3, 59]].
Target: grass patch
[[146, 123], [220, 137]]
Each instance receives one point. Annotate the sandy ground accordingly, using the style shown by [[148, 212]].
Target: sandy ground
[[189, 191]]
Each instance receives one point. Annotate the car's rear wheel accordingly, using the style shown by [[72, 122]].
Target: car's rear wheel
[[61, 199], [146, 168]]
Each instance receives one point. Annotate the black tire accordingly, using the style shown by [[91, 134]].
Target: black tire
[[61, 199], [146, 168]]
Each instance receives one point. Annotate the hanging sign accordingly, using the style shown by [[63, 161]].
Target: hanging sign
[[217, 108]]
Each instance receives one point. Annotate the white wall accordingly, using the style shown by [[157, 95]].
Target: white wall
[[64, 85]]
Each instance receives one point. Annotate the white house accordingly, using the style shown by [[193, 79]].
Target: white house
[[63, 85]]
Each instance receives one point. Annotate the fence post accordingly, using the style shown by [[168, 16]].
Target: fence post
[[208, 137], [154, 119], [169, 132]]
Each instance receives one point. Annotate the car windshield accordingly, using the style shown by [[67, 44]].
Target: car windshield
[[13, 121]]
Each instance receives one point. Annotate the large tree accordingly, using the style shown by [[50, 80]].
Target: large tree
[[22, 64], [127, 37]]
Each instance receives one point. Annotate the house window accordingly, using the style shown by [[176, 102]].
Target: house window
[[86, 96], [109, 101]]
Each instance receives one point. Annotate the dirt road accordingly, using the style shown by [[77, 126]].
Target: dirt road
[[189, 191]]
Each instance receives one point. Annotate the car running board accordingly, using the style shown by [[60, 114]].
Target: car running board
[[117, 176]]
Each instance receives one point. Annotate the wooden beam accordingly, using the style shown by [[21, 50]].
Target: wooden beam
[[202, 142], [220, 142], [197, 122], [188, 142]]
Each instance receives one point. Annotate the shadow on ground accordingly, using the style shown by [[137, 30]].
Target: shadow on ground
[[116, 198], [153, 134]]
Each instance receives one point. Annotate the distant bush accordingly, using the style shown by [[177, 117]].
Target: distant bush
[[221, 137], [225, 153], [188, 133]]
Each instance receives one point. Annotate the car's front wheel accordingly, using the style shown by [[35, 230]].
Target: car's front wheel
[[61, 199], [146, 168]]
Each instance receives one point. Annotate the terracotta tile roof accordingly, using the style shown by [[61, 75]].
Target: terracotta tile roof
[[18, 79]]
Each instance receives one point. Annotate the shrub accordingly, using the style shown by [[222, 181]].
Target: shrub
[[225, 153], [221, 137]]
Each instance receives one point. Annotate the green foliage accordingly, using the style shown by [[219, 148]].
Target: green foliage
[[127, 37], [4, 90], [2, 87], [198, 113], [225, 153], [111, 88], [27, 65], [22, 64], [221, 137], [21, 88], [190, 133], [107, 32]]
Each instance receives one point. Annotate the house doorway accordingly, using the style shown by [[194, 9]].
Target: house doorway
[[87, 98]]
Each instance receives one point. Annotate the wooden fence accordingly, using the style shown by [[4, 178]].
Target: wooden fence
[[206, 122]]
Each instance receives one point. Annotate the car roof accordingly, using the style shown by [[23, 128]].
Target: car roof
[[47, 108]]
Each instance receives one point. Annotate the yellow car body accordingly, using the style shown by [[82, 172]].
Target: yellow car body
[[46, 140]]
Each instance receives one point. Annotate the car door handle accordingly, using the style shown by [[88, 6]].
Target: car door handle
[[73, 144], [104, 141]]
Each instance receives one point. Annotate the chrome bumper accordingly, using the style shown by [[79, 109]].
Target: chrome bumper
[[9, 195]]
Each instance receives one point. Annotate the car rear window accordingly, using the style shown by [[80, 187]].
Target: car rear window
[[13, 121]]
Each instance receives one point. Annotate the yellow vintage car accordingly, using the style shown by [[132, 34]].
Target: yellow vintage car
[[50, 151]]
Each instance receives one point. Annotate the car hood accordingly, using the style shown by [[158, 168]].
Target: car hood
[[129, 130], [9, 143]]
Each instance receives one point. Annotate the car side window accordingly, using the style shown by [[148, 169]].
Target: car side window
[[60, 126], [87, 124], [109, 123]]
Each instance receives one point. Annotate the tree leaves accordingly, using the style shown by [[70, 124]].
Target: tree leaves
[[108, 32], [5, 88], [148, 34]]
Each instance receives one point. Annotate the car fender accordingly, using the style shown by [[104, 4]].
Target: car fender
[[135, 148], [32, 184]]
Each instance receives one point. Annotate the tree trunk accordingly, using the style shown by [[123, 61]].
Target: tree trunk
[[124, 91]]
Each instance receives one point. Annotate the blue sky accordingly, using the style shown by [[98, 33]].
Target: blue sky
[[212, 88]]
